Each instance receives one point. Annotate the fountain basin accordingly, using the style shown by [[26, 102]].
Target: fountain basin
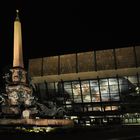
[[37, 122]]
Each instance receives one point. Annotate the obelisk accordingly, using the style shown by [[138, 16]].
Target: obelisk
[[18, 72], [18, 90], [18, 55]]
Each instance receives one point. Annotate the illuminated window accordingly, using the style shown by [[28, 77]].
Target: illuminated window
[[76, 91], [85, 91], [76, 88], [104, 91], [68, 88], [95, 95]]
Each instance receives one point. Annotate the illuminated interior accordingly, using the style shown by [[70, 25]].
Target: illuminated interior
[[92, 96]]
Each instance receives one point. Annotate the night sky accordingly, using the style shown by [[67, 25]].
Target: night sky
[[54, 27]]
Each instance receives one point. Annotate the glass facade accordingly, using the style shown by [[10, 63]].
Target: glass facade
[[92, 97]]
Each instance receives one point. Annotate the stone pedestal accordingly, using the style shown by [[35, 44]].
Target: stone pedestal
[[18, 92]]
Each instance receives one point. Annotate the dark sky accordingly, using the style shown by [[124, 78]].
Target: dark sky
[[59, 27]]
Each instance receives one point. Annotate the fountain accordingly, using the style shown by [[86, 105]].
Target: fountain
[[18, 105]]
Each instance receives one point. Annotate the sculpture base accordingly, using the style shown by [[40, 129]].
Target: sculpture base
[[36, 122]]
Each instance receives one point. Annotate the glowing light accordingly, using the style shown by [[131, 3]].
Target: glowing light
[[26, 114]]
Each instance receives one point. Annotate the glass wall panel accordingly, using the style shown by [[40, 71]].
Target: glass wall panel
[[65, 92], [138, 85], [42, 88], [104, 89], [56, 86], [126, 85], [115, 96], [76, 91], [113, 81], [67, 88], [42, 91], [114, 89], [95, 95], [86, 91], [134, 86], [51, 88], [93, 83], [133, 79], [123, 85]]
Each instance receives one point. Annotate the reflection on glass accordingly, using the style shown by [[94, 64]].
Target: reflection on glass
[[104, 93], [93, 82], [114, 89], [85, 87], [86, 91], [96, 97], [76, 88], [103, 82], [104, 90], [113, 81]]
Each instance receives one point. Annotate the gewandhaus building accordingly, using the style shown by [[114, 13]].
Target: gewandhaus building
[[94, 87]]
